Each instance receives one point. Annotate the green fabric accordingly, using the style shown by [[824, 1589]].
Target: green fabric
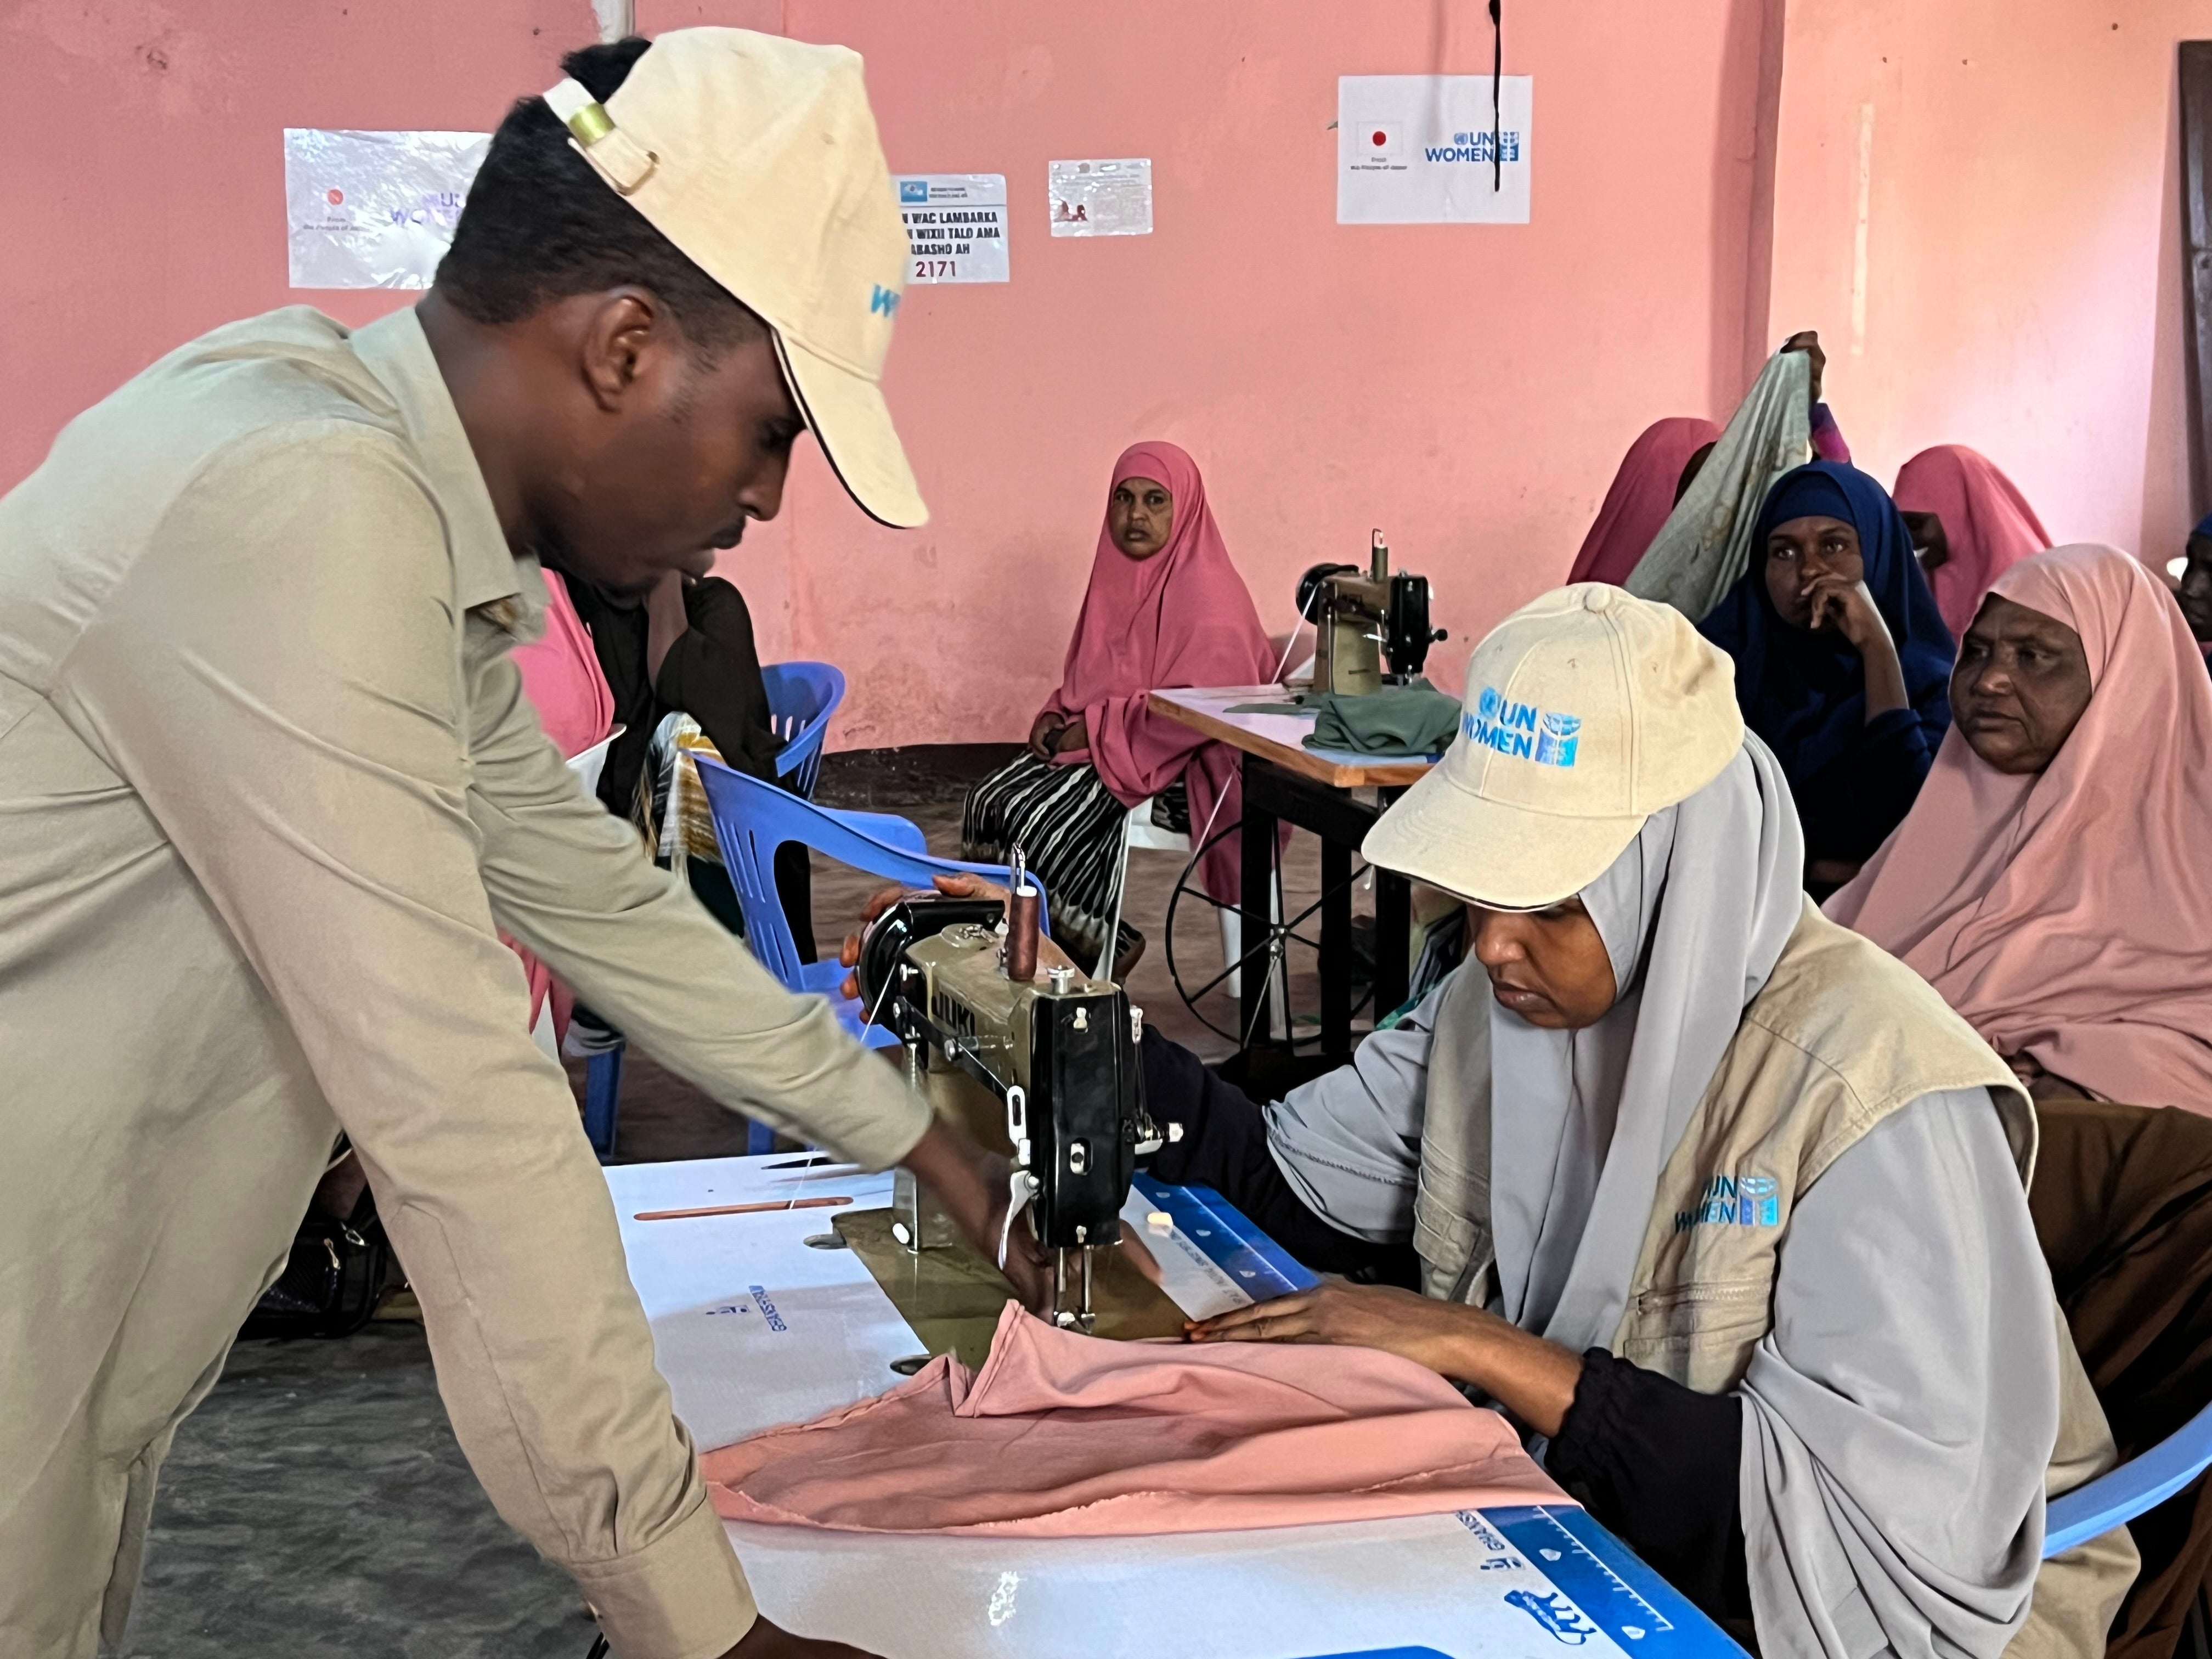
[[1400, 722]]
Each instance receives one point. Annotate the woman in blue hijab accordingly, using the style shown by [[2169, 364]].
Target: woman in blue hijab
[[1843, 664]]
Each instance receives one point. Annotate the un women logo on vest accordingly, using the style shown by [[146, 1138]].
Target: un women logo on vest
[[1733, 1201]]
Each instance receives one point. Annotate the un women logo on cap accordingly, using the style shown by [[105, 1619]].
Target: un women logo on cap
[[1521, 730]]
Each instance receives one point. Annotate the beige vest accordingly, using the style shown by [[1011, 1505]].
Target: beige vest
[[1842, 1034]]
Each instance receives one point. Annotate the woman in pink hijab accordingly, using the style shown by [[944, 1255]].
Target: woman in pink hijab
[[2050, 879], [1981, 526], [1642, 497], [1165, 607], [562, 677]]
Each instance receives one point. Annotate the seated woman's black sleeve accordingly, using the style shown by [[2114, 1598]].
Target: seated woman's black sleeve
[[1657, 1463], [1850, 805], [1225, 1146]]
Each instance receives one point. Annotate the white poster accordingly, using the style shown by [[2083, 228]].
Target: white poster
[[955, 226], [1428, 149], [1101, 198], [374, 209]]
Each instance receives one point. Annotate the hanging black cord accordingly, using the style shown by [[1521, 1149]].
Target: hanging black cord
[[598, 1648], [1497, 80]]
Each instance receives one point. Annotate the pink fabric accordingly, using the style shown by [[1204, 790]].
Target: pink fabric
[[1987, 521], [560, 677], [1065, 1436], [1827, 437], [2068, 915], [1642, 495], [1182, 617]]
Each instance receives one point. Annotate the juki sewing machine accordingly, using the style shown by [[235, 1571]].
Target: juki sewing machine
[[957, 980], [1362, 618]]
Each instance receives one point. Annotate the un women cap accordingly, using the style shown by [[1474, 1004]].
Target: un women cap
[[757, 156], [1587, 710]]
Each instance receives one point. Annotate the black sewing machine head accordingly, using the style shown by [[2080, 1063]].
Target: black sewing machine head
[[1364, 618], [1057, 1049]]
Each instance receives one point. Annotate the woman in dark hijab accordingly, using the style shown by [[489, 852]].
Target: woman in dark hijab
[[1842, 661]]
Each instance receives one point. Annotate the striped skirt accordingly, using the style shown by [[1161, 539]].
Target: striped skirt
[[1069, 827]]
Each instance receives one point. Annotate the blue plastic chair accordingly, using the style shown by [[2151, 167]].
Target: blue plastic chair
[[801, 698], [2120, 1495], [752, 819]]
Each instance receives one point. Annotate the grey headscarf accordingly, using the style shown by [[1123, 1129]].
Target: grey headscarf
[[1694, 914]]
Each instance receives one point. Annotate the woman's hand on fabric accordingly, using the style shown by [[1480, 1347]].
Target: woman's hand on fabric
[[1043, 732], [1530, 1377], [963, 885], [1808, 342]]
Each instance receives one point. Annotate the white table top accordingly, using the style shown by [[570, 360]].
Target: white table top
[[753, 1327], [1279, 737]]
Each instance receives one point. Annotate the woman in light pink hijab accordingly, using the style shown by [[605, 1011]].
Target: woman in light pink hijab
[[1642, 497], [1165, 607], [1982, 526], [2050, 881]]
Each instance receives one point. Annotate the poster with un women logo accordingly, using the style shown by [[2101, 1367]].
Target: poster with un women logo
[[1428, 149]]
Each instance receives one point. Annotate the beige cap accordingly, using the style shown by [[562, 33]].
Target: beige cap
[[757, 156], [1587, 711]]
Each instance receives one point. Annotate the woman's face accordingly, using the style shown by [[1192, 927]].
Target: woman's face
[[2195, 591], [1800, 552], [2021, 682], [1139, 516], [1550, 966]]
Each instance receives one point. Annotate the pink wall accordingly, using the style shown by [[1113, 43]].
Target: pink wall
[[2022, 277], [1469, 389]]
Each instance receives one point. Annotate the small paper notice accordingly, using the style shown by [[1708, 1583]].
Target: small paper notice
[[1430, 149], [374, 209], [955, 226], [1101, 198]]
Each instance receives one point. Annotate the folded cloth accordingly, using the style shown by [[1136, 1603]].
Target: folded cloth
[[1061, 1435], [1399, 720]]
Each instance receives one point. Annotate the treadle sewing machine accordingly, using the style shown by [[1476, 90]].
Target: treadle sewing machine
[[1046, 1060], [1362, 618]]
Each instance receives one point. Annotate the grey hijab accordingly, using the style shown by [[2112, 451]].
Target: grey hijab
[[1694, 914]]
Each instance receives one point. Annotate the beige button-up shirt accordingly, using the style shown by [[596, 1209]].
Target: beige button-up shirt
[[269, 788]]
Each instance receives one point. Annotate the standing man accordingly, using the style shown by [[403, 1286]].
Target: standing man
[[269, 790]]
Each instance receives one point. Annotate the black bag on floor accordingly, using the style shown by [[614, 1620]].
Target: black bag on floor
[[337, 1274]]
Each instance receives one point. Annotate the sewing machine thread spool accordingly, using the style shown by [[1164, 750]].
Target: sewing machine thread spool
[[1021, 922]]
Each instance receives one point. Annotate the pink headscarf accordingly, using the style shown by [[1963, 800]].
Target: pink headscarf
[[1642, 497], [2066, 916], [1987, 521], [1181, 617]]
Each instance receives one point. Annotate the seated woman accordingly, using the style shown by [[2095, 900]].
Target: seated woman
[[560, 677], [1716, 1199], [2194, 591], [1644, 492], [1165, 607], [2051, 882], [1841, 661], [1970, 524]]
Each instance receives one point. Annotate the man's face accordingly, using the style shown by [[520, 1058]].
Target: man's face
[[666, 454], [2195, 590]]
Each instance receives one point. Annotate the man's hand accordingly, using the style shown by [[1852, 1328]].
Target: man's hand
[[1808, 342], [976, 1187], [1042, 730], [766, 1641]]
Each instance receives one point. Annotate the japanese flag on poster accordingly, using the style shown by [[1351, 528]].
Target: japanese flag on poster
[[1428, 149], [374, 209], [955, 226]]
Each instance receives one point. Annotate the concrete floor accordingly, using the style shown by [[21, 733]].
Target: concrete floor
[[317, 1502]]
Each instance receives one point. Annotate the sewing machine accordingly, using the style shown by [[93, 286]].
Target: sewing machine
[[1362, 618], [1055, 1055]]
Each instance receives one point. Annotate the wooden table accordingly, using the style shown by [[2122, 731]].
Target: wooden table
[[1336, 794]]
